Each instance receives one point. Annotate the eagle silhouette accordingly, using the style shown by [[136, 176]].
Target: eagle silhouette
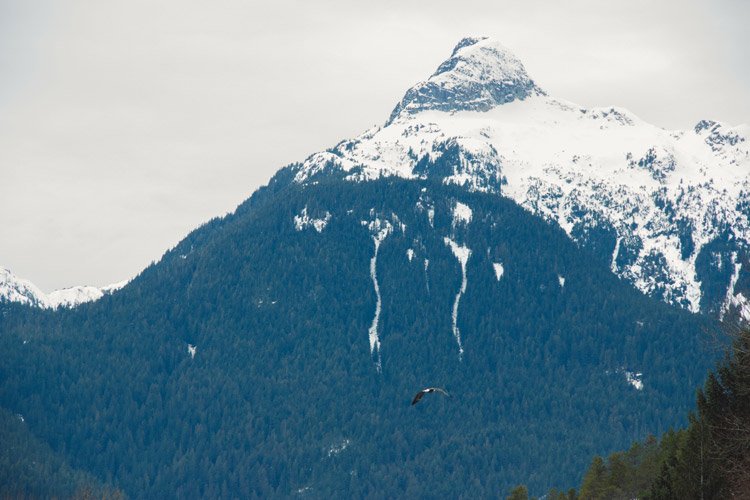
[[425, 391]]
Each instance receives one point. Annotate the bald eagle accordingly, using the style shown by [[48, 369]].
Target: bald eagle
[[425, 391]]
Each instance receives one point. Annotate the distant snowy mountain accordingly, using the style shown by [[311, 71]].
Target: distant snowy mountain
[[15, 289], [668, 211]]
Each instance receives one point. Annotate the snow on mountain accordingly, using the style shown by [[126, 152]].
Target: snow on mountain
[[73, 296], [380, 229], [478, 76], [667, 210], [499, 270], [461, 214], [15, 289], [303, 221], [462, 253]]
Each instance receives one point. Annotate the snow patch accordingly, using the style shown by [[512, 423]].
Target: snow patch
[[303, 221], [381, 229], [634, 379], [461, 253], [461, 214], [499, 270], [426, 276], [737, 301], [615, 253], [335, 449]]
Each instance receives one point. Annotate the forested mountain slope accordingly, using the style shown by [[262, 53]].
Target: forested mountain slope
[[275, 353]]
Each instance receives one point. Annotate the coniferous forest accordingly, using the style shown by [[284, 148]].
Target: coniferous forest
[[240, 364], [710, 459]]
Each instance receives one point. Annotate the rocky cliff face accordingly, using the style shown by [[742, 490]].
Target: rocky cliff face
[[479, 75]]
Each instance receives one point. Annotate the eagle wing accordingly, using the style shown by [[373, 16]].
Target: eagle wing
[[418, 397], [441, 390]]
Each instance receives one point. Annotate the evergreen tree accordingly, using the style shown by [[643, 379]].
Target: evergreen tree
[[520, 492], [594, 485], [722, 428], [711, 459]]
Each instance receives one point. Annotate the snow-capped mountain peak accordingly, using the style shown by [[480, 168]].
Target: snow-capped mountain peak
[[479, 75], [669, 211], [15, 289]]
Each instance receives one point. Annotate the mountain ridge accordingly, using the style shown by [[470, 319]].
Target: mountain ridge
[[650, 201], [668, 211], [16, 289], [273, 352]]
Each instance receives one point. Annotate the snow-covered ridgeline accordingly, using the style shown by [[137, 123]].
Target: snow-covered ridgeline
[[70, 297], [380, 230], [660, 195], [15, 289], [462, 253], [639, 209], [667, 224]]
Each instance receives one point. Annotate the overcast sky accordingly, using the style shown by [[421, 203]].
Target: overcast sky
[[126, 124]]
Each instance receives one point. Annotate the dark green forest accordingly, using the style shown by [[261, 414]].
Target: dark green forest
[[283, 398], [30, 469], [710, 459]]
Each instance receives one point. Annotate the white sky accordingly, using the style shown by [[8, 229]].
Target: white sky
[[126, 124]]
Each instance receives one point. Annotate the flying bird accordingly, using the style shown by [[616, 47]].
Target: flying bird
[[425, 391]]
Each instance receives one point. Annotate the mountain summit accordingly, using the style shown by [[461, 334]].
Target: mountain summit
[[274, 352], [665, 210], [479, 75]]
